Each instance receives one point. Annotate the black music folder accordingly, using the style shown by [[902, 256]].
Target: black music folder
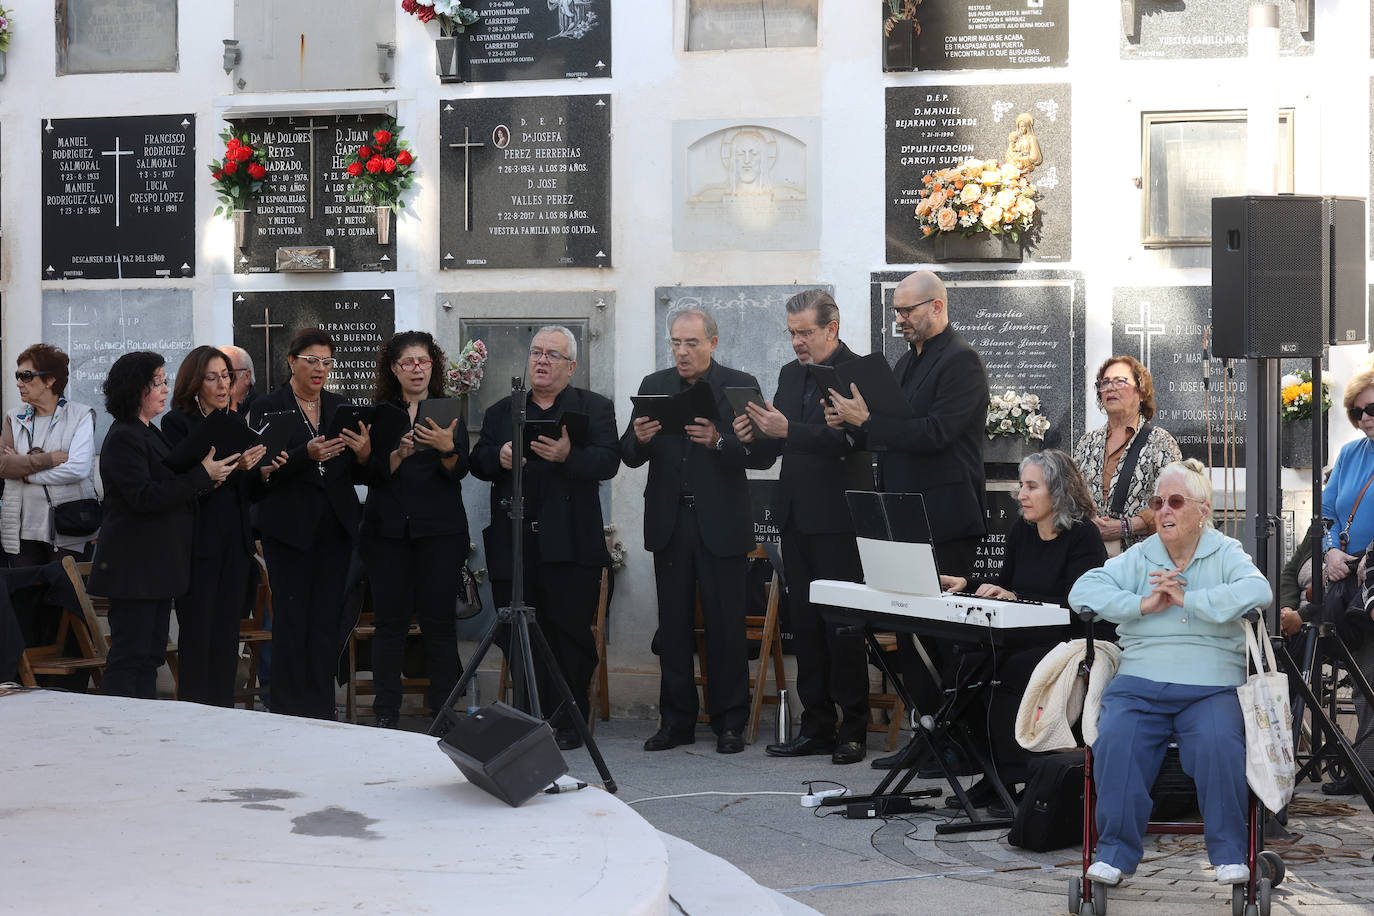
[[826, 378], [224, 431], [442, 411], [878, 385], [739, 398], [578, 424], [389, 424], [277, 430], [675, 411], [348, 416]]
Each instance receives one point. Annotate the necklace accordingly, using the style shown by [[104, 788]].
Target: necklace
[[310, 427]]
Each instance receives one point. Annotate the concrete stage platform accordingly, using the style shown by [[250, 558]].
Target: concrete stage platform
[[124, 806]]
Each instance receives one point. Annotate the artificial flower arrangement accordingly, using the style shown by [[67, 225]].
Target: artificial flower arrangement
[[1012, 414], [901, 11], [4, 29], [464, 374], [977, 196], [380, 171], [1295, 391], [238, 178], [454, 18]]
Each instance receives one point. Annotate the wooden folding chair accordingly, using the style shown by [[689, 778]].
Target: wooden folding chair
[[102, 609], [886, 700], [359, 686], [255, 631], [51, 658]]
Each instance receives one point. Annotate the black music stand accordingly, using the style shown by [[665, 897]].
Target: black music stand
[[519, 617]]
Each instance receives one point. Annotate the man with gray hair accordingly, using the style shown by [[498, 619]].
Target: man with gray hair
[[242, 392], [564, 541], [699, 528], [818, 465]]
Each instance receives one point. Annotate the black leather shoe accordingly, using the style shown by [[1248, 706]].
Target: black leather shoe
[[800, 746], [981, 794], [995, 808], [954, 760], [729, 742], [1344, 786], [568, 739], [387, 720], [903, 758], [848, 752], [666, 738]]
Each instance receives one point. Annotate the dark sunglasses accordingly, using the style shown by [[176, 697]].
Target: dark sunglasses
[[1357, 412], [1176, 501], [28, 375]]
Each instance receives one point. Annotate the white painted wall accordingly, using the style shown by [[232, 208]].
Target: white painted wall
[[840, 82]]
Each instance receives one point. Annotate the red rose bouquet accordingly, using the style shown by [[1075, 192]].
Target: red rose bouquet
[[238, 178], [381, 170], [453, 17]]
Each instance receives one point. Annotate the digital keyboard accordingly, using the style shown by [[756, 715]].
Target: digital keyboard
[[960, 616]]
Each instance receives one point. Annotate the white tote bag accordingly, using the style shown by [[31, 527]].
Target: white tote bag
[[1268, 725]]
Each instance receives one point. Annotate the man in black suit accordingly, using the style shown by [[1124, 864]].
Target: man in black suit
[[938, 452], [564, 538], [698, 526], [818, 465]]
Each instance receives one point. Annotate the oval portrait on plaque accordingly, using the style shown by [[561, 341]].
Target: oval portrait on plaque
[[500, 137]]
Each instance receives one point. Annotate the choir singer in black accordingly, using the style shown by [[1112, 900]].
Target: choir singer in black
[[698, 525], [818, 465], [564, 538]]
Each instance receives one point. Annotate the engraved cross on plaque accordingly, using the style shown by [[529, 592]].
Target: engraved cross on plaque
[[1145, 330], [310, 132], [69, 324], [467, 146], [267, 327], [116, 153]]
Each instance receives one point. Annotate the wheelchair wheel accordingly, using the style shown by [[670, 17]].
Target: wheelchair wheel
[[1075, 895], [1099, 900], [1271, 866], [1263, 890], [1238, 907]]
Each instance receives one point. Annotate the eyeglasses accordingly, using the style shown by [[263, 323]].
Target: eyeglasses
[[28, 375], [553, 356], [159, 383], [804, 335], [238, 372], [904, 311], [1354, 412], [1107, 384], [214, 378], [326, 362], [1175, 501], [691, 343], [411, 363]]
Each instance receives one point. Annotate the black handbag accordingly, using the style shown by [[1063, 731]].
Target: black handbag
[[1050, 813], [77, 519], [469, 597]]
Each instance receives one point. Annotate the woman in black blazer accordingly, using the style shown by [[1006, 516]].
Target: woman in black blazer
[[308, 515], [415, 530], [208, 612], [143, 559]]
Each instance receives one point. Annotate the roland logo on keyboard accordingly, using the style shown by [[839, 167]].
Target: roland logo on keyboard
[[896, 603]]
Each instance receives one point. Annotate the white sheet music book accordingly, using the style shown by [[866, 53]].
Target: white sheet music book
[[894, 566]]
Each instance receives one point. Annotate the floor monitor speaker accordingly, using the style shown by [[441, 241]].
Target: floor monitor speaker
[[505, 752]]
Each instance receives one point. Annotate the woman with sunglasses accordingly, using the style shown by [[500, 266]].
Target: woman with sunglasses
[[143, 558], [208, 612], [1177, 599], [46, 459], [308, 514], [415, 530], [1126, 393], [1348, 512]]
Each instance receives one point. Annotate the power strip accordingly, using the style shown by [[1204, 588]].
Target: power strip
[[813, 800]]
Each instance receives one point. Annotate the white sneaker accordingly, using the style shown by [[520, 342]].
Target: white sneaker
[[1109, 875], [1233, 874]]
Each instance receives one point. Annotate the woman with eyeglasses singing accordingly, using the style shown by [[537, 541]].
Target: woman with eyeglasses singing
[[143, 558], [222, 549], [1120, 467], [415, 530], [308, 514], [46, 459], [1177, 599]]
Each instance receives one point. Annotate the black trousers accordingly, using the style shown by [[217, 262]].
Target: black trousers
[[307, 601], [416, 576], [679, 571], [208, 628], [40, 553], [955, 558], [564, 598], [832, 667], [138, 646]]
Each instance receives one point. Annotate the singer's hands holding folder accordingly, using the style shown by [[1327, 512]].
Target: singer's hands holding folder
[[274, 465], [360, 442], [702, 432], [439, 438], [219, 468], [846, 411], [646, 429], [249, 459], [552, 449]]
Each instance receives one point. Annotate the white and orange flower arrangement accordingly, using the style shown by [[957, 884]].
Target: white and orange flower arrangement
[[977, 196]]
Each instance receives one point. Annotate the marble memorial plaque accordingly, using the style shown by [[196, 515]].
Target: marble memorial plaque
[[728, 25], [559, 39], [359, 320], [305, 200], [752, 185], [525, 182], [752, 321], [1194, 29], [935, 127], [1027, 325], [993, 35], [1162, 326], [96, 327], [315, 44], [1002, 512], [119, 197], [116, 36]]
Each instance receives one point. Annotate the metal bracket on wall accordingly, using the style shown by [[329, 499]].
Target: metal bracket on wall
[[1130, 21], [1304, 10]]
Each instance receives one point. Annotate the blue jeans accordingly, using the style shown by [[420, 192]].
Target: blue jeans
[[1139, 718]]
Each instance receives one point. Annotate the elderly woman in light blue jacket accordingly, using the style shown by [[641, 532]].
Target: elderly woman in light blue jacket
[[1177, 599]]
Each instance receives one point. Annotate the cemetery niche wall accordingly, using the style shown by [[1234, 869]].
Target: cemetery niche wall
[[525, 182], [115, 36], [993, 35], [305, 204], [519, 40], [1200, 29], [118, 197], [314, 44]]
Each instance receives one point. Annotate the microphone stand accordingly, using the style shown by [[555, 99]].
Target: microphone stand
[[519, 617]]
